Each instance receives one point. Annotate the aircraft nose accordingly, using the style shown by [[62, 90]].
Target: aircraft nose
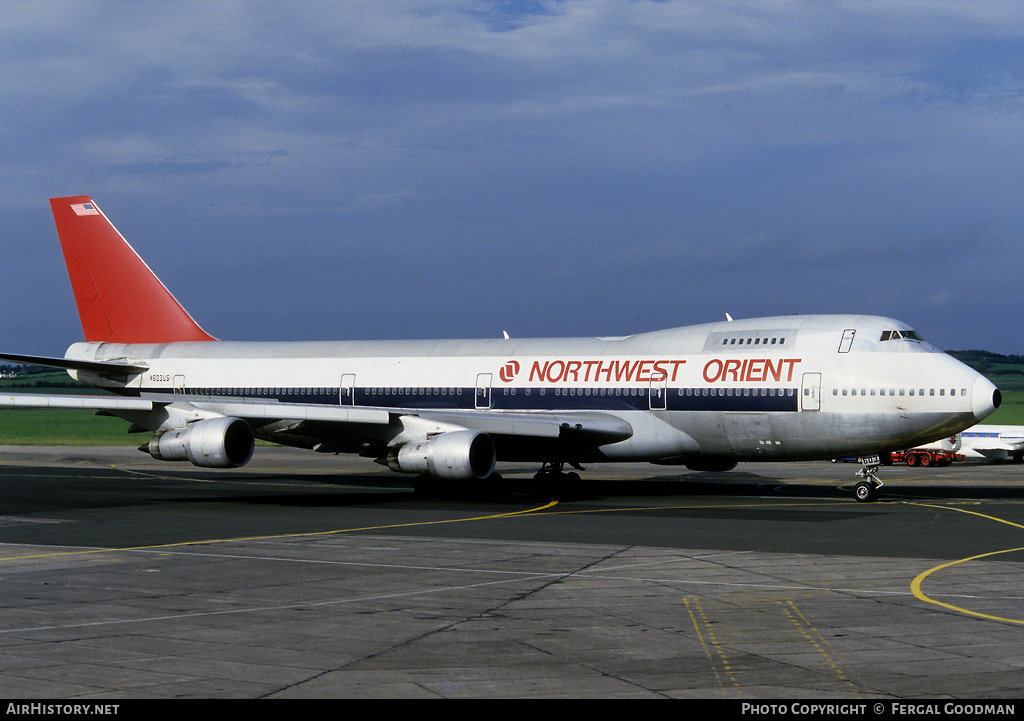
[[985, 398]]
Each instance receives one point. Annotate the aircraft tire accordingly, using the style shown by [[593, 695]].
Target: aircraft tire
[[865, 492]]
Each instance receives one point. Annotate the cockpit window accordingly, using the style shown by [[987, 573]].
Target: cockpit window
[[900, 334]]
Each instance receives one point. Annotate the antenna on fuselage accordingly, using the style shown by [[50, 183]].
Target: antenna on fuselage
[[728, 317]]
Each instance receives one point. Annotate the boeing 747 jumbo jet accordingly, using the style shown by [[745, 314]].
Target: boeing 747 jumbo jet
[[705, 397]]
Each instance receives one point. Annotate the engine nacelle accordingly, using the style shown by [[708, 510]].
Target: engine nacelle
[[457, 455], [214, 443]]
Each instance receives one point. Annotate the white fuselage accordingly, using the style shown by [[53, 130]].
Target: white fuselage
[[996, 443], [790, 387]]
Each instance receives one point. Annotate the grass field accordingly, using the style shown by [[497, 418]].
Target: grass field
[[59, 426], [1011, 412], [30, 426], [63, 427]]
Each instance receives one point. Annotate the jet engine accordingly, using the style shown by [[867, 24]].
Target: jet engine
[[458, 455], [215, 443]]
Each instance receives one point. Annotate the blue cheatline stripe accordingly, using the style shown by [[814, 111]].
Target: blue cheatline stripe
[[575, 399]]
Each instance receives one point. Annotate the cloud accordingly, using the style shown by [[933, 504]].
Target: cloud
[[714, 140]]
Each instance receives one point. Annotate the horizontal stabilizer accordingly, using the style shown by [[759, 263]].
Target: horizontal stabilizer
[[109, 369]]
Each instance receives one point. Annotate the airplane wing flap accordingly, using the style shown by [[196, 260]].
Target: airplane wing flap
[[302, 412], [589, 428], [104, 403]]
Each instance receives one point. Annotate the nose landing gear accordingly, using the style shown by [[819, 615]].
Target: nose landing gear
[[868, 490]]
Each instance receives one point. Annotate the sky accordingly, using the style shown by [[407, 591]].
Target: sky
[[459, 168]]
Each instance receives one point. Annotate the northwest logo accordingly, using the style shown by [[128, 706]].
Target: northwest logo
[[509, 371]]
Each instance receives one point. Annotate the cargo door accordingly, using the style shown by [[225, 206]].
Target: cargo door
[[749, 433]]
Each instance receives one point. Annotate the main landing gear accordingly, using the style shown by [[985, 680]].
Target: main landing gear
[[552, 479], [552, 472], [868, 490]]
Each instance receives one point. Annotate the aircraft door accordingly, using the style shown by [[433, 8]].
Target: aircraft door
[[179, 385], [347, 391], [810, 392], [658, 395], [847, 342], [483, 390]]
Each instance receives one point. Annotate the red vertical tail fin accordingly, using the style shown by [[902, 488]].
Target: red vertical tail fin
[[119, 298]]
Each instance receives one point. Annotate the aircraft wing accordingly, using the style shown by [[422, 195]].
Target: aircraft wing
[[993, 454], [578, 428], [589, 429], [263, 411], [1005, 449], [1014, 441]]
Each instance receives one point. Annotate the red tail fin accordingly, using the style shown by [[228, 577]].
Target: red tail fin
[[119, 298]]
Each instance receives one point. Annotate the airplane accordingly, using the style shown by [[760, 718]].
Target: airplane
[[997, 443], [705, 397]]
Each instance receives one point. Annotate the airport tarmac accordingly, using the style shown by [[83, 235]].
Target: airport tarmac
[[309, 576]]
